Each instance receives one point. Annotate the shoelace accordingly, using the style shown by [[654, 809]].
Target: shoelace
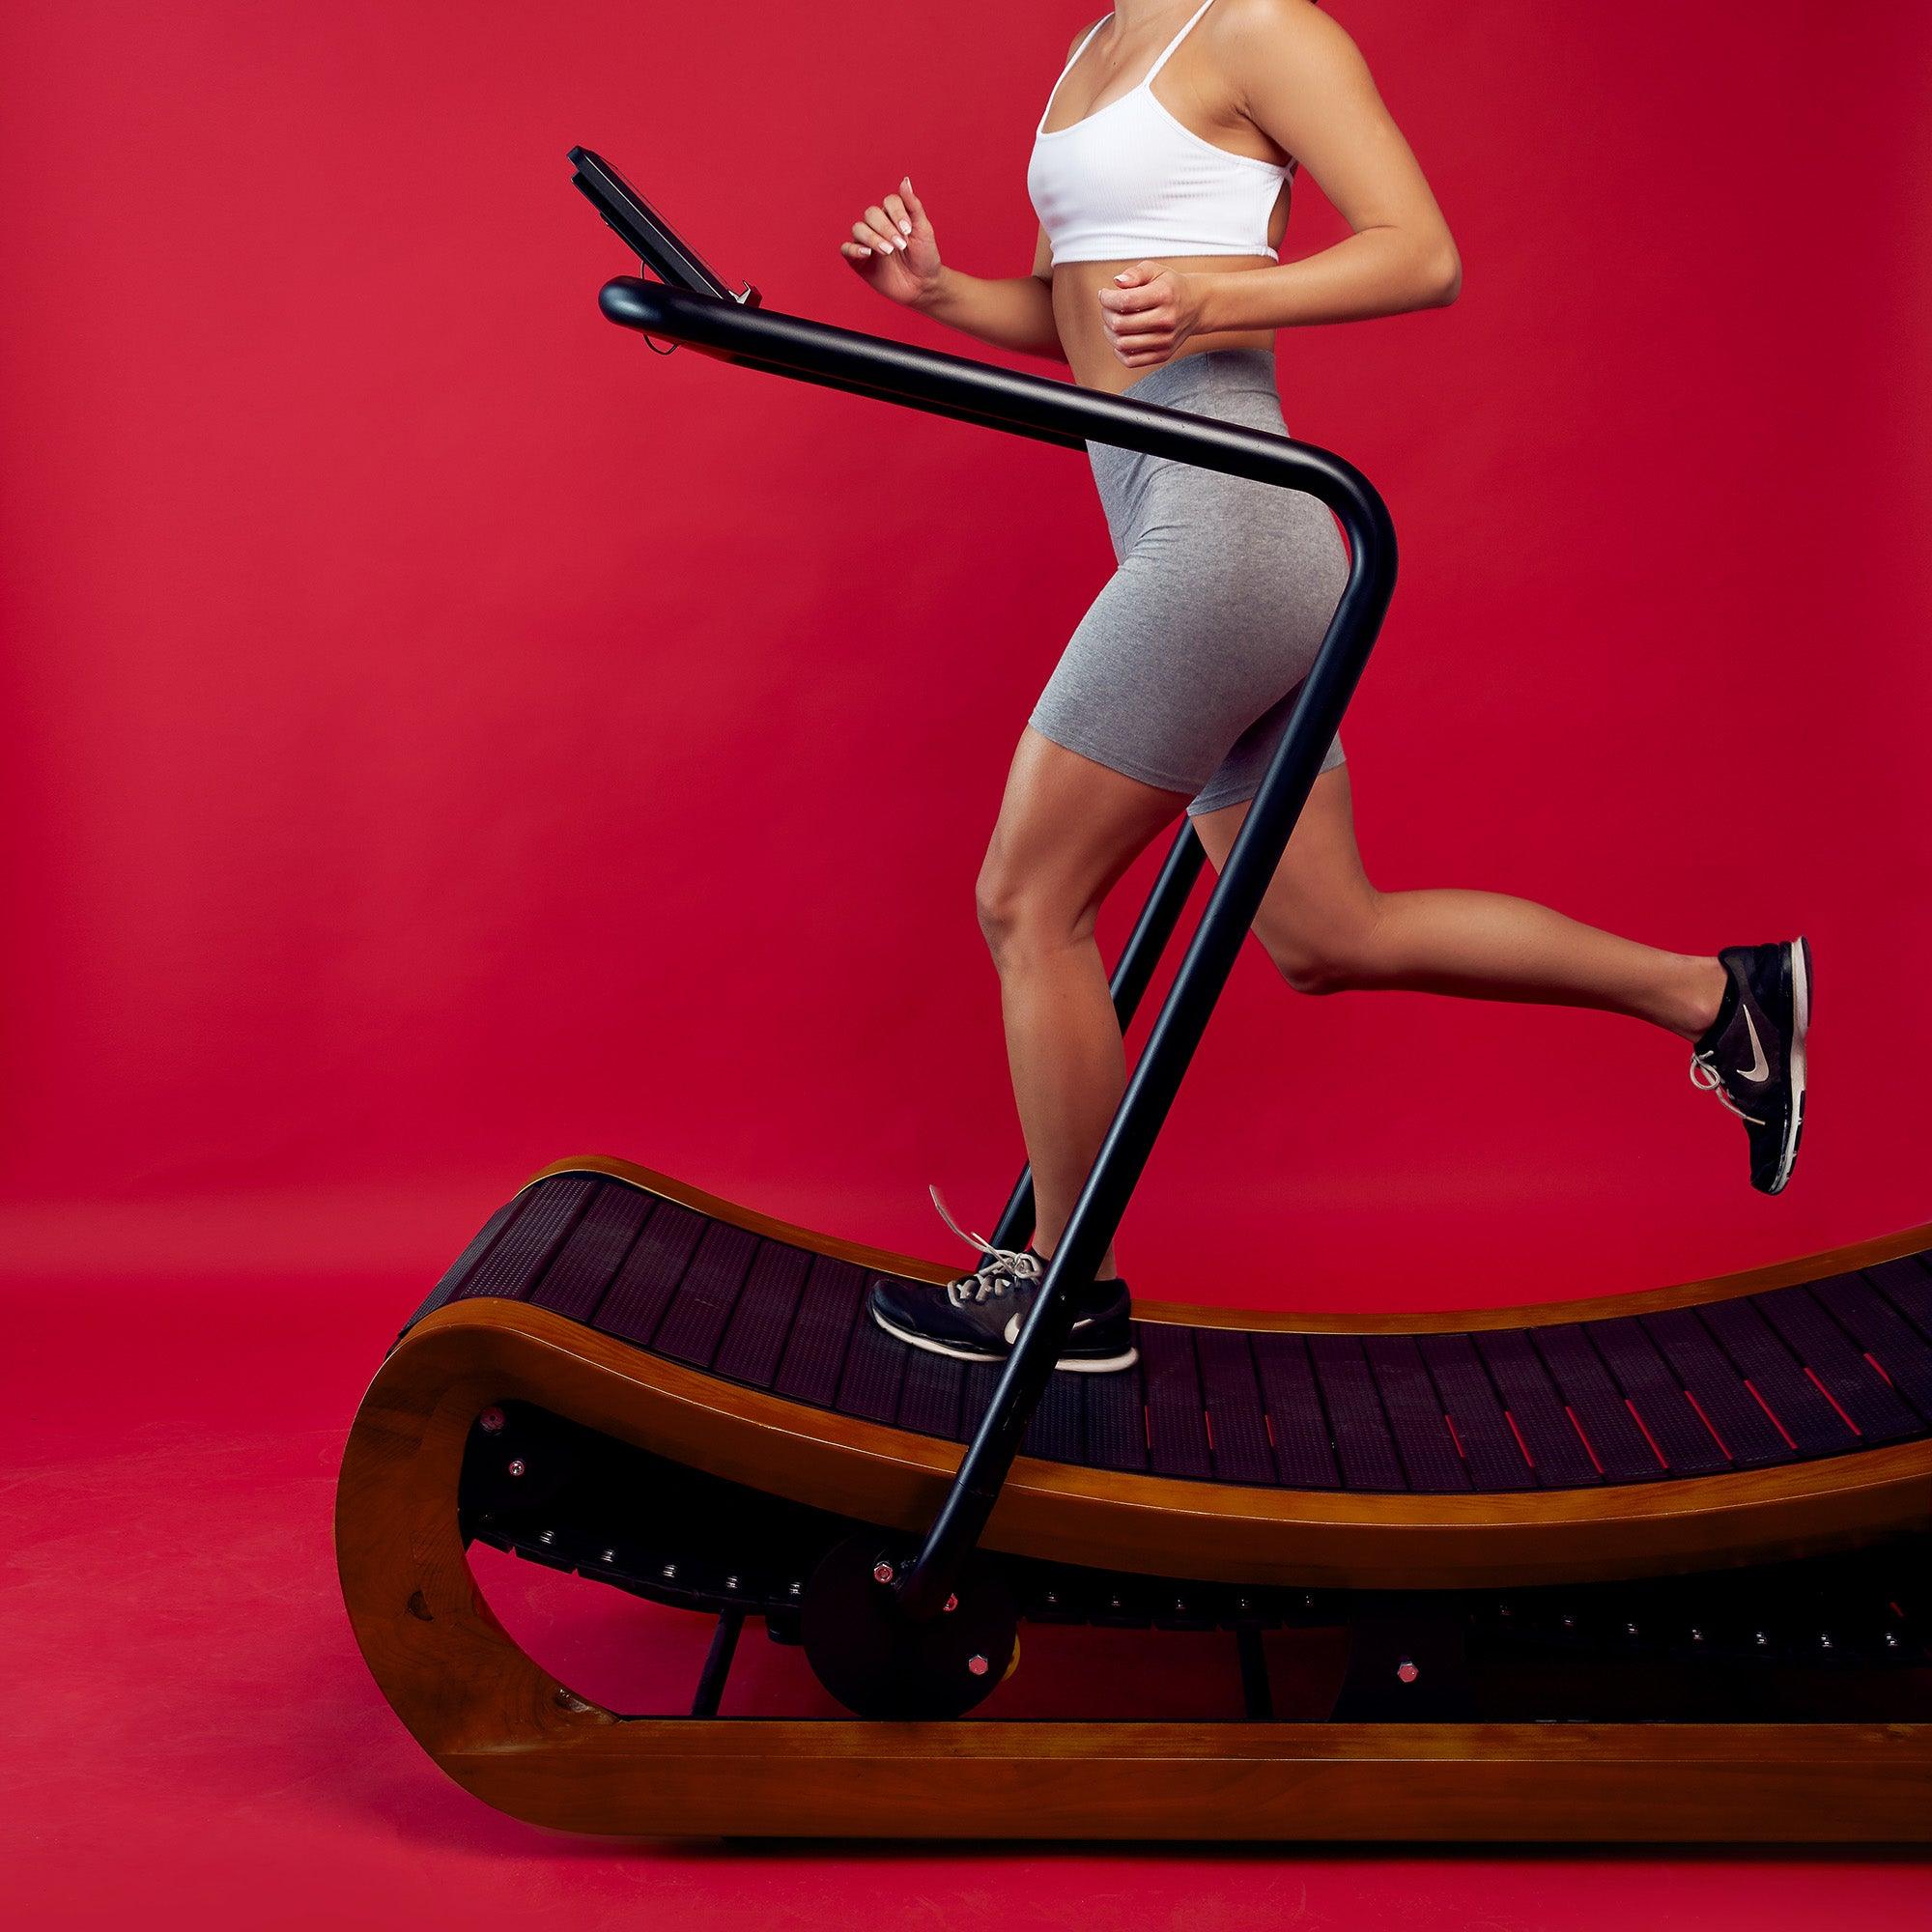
[[1705, 1077], [998, 1274]]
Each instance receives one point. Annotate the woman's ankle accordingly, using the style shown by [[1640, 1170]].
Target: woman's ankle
[[1107, 1270], [1692, 1002]]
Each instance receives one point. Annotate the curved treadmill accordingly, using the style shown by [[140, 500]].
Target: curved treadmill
[[1654, 1566]]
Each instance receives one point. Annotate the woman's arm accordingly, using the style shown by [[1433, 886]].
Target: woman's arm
[[1307, 87], [893, 249]]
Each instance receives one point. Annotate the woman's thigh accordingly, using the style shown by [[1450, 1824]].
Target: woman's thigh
[[1068, 827]]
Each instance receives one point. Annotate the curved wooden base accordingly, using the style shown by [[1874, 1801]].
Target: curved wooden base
[[511, 1734]]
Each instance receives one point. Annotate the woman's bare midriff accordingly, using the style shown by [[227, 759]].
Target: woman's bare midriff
[[1077, 313]]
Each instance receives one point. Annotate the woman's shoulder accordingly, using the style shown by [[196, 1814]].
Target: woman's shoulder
[[1243, 19], [1080, 39]]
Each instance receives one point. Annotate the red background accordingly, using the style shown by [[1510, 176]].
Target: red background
[[442, 738]]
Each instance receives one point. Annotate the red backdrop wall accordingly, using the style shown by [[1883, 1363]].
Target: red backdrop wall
[[441, 737]]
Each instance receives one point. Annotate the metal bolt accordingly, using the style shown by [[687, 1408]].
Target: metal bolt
[[517, 1466], [610, 1557], [1407, 1671], [1823, 1639], [668, 1572], [545, 1536], [1762, 1638], [491, 1422], [882, 1572], [730, 1582], [977, 1665]]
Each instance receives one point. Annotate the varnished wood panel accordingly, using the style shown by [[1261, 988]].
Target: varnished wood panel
[[509, 1732], [1130, 1520]]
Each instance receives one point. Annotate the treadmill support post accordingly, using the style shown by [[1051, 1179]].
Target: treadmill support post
[[1131, 974]]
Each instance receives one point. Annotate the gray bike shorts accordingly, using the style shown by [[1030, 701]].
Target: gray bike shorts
[[1183, 671]]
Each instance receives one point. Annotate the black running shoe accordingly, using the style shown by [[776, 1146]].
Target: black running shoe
[[1101, 1341], [1752, 1058], [977, 1318]]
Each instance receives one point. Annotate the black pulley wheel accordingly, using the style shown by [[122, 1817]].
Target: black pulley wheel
[[879, 1663]]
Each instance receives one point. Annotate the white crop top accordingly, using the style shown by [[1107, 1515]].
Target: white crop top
[[1129, 183]]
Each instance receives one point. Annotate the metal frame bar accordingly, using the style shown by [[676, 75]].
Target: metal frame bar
[[1141, 955], [1051, 412]]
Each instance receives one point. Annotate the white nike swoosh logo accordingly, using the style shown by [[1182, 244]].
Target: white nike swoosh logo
[[1014, 1326], [1759, 1071]]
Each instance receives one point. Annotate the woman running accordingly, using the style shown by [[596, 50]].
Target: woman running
[[1160, 174]]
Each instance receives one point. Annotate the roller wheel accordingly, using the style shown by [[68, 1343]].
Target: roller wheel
[[879, 1663]]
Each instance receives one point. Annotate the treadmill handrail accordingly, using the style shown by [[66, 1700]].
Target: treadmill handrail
[[1037, 407], [1062, 412]]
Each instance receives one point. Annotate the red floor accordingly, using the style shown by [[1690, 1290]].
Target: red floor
[[194, 1740]]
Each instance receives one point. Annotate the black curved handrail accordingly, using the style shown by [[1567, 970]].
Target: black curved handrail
[[1054, 411]]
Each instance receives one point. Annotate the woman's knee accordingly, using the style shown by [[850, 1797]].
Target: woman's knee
[[1024, 917], [1335, 952]]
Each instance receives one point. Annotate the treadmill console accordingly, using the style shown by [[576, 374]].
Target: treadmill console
[[646, 234]]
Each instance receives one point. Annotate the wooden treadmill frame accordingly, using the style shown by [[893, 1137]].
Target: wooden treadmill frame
[[512, 1734]]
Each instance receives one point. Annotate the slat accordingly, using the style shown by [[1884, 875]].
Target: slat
[[1495, 1459], [1907, 1284], [524, 1248], [1814, 1426], [1902, 1352], [1363, 1444], [875, 1368], [755, 1339], [1237, 1428], [1591, 1398], [1709, 1374], [588, 1261], [1056, 1431], [635, 1302], [1116, 1417], [1414, 1409], [1825, 1349], [976, 1396], [1176, 1423], [694, 1321], [1298, 1425], [816, 1350], [1688, 1444], [1532, 1401], [930, 1395], [458, 1272]]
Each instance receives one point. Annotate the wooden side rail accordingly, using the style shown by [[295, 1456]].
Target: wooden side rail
[[510, 1733]]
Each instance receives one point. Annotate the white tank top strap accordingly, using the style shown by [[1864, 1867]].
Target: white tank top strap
[[1167, 55], [1079, 49]]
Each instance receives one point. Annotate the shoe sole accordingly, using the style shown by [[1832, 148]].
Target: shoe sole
[[1800, 1024], [1098, 1365]]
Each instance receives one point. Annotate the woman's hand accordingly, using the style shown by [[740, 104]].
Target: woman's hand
[[1149, 311], [893, 249]]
